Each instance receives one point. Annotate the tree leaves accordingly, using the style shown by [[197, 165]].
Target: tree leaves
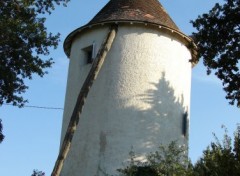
[[1, 134], [23, 42], [218, 39], [220, 158], [169, 160], [37, 173]]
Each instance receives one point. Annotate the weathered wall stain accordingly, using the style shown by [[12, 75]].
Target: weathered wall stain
[[103, 142]]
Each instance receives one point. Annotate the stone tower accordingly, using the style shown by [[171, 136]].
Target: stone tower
[[141, 96]]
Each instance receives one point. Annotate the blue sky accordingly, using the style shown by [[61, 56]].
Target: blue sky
[[33, 135]]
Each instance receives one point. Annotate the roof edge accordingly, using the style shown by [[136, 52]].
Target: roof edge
[[188, 41]]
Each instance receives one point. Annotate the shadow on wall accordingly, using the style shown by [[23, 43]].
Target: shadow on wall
[[129, 126], [162, 99], [161, 123], [165, 121]]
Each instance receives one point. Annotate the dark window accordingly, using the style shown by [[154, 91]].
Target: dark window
[[185, 124], [89, 57], [89, 53]]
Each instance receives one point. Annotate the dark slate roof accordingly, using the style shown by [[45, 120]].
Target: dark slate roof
[[150, 11]]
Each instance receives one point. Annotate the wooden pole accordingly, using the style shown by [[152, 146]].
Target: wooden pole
[[92, 75]]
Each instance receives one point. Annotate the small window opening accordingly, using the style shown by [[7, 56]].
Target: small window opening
[[89, 53], [89, 57], [185, 124]]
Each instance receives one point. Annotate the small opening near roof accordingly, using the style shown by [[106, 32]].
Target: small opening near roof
[[89, 53]]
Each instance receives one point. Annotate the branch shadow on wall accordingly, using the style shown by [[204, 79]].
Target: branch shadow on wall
[[163, 121], [153, 118]]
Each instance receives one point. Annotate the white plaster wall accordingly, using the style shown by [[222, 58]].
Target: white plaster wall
[[138, 99], [78, 70]]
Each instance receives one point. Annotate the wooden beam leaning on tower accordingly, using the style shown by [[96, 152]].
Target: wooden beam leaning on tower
[[92, 75]]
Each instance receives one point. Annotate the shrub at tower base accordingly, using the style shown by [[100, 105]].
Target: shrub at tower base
[[170, 161], [221, 158]]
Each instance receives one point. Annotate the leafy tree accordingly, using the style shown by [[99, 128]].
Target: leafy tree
[[218, 39], [1, 134], [38, 173], [167, 161], [220, 158], [24, 40]]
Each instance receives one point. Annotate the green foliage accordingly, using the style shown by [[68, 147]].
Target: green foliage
[[221, 158], [218, 39], [1, 134], [24, 40], [38, 173], [167, 161]]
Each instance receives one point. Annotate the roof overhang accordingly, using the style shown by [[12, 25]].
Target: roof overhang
[[186, 40]]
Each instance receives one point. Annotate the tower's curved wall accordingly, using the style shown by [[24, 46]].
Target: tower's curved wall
[[139, 99]]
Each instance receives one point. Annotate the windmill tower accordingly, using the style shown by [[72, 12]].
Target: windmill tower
[[141, 96]]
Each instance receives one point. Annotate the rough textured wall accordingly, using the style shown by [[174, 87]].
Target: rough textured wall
[[138, 100]]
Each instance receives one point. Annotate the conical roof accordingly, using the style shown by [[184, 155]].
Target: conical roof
[[133, 11], [150, 11]]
